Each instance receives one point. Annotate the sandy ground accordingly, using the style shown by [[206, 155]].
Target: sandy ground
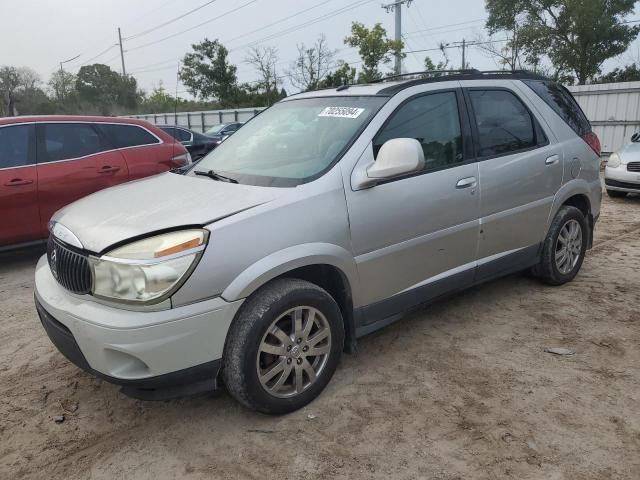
[[460, 390]]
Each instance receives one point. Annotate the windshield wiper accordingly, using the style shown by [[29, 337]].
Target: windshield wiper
[[215, 176]]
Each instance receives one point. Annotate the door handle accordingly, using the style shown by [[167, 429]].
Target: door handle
[[467, 182], [552, 160], [108, 169], [18, 181]]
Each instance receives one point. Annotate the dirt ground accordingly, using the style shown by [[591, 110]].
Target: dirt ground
[[460, 390]]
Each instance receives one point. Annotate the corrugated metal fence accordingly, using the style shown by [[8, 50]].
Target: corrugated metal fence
[[200, 121], [612, 108]]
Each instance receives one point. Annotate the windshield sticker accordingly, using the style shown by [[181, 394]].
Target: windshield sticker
[[341, 112]]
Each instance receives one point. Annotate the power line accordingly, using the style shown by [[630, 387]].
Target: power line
[[191, 28], [458, 45], [105, 51], [431, 29], [170, 21], [351, 6]]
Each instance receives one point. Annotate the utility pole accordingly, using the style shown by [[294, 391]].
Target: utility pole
[[62, 85], [124, 72], [396, 7], [464, 63]]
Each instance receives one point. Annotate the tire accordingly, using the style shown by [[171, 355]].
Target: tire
[[616, 194], [246, 362], [559, 272]]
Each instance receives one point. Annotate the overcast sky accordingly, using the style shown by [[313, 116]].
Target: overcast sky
[[40, 34]]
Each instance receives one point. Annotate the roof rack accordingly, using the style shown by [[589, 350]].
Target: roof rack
[[438, 73]]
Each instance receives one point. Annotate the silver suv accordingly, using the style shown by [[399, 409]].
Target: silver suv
[[321, 220]]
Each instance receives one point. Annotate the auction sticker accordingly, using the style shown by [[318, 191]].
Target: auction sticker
[[341, 112]]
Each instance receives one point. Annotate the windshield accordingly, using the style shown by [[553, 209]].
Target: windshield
[[292, 142], [215, 129]]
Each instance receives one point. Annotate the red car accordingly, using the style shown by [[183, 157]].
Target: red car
[[48, 162]]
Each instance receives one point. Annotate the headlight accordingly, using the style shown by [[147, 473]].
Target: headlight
[[149, 270], [614, 161]]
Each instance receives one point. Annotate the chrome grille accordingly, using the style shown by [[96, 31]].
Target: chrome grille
[[70, 268], [633, 166]]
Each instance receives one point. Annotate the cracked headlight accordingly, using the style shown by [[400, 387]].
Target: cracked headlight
[[149, 270]]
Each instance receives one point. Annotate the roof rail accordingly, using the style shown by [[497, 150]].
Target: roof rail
[[468, 71]]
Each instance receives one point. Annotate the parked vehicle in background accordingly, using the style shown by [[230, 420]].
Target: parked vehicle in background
[[322, 220], [622, 172], [220, 132], [197, 144], [48, 162]]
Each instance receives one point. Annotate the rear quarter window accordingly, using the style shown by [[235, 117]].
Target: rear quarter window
[[122, 136], [16, 146], [562, 102]]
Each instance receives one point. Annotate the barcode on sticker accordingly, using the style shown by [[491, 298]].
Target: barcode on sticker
[[341, 112]]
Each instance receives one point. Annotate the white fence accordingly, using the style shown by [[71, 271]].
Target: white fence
[[200, 121], [612, 108]]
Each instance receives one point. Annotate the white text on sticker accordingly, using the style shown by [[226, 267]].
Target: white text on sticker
[[341, 112]]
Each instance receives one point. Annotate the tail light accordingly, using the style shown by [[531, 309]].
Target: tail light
[[182, 159], [593, 141]]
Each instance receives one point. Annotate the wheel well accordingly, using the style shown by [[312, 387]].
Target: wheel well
[[581, 202], [335, 282]]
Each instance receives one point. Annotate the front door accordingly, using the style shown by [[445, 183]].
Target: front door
[[416, 237], [18, 185]]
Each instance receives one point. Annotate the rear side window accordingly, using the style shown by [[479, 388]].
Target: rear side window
[[122, 136], [504, 124], [65, 141], [16, 146], [181, 135], [562, 102], [434, 121]]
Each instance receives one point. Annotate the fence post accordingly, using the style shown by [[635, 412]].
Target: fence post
[[235, 115], [220, 115], [189, 120], [204, 127], [166, 121]]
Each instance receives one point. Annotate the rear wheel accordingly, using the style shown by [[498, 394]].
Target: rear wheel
[[616, 193], [564, 247], [283, 347]]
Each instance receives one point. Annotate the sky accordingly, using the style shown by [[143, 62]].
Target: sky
[[42, 33]]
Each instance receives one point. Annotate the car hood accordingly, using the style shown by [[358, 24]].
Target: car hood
[[156, 203], [630, 153]]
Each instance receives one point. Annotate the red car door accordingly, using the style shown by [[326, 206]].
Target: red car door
[[73, 161], [18, 185]]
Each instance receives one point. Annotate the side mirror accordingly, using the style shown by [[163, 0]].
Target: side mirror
[[398, 156], [635, 137]]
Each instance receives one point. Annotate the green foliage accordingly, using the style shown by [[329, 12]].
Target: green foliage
[[576, 35], [208, 74], [343, 75], [104, 88], [629, 73], [374, 49]]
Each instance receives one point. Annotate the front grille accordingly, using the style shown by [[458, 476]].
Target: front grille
[[633, 167], [70, 268]]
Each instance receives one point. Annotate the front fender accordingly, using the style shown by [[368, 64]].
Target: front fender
[[283, 261]]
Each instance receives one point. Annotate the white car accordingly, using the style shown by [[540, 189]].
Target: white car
[[622, 174]]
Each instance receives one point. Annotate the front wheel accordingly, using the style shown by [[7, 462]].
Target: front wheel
[[283, 347], [564, 247]]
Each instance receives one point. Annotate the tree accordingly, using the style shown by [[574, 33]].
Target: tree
[[264, 59], [374, 49], [207, 73], [312, 65], [343, 75], [17, 87], [62, 84], [629, 73], [576, 35], [105, 89]]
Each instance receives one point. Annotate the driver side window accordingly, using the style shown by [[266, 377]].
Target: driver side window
[[434, 121]]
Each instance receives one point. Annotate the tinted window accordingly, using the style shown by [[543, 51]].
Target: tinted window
[[504, 123], [182, 135], [127, 135], [433, 120], [15, 146], [64, 141], [563, 103]]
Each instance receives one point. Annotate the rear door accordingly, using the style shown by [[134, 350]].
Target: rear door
[[74, 160], [18, 185], [520, 170], [145, 152]]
